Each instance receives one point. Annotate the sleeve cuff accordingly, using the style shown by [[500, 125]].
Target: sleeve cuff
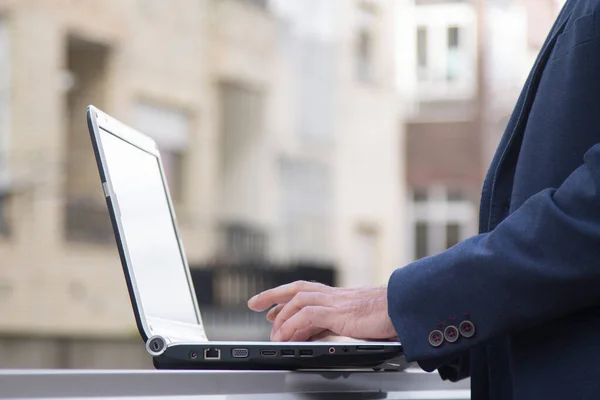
[[413, 331]]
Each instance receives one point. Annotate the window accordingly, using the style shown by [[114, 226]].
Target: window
[[170, 128], [6, 290], [244, 243], [422, 47], [364, 56], [440, 220], [86, 215], [445, 50], [453, 64], [449, 63], [364, 264], [243, 160], [241, 125], [4, 125], [419, 195], [421, 240], [452, 234], [365, 41], [453, 37], [306, 206], [314, 70], [259, 3], [455, 195]]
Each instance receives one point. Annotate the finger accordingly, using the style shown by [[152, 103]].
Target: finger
[[272, 314], [308, 317], [322, 334], [301, 300], [284, 293], [306, 334]]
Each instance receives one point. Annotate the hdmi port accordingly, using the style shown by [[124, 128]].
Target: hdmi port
[[268, 353]]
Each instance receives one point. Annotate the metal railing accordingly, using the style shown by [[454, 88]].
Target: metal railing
[[223, 292], [232, 285]]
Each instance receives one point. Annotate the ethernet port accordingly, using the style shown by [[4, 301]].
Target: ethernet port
[[212, 354]]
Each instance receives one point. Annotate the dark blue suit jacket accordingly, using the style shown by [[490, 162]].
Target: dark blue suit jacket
[[530, 281]]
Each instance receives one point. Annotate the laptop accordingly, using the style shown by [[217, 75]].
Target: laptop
[[158, 278]]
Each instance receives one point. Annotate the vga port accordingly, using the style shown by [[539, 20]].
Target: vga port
[[240, 353]]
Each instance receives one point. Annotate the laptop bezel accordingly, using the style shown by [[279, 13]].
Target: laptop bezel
[[147, 325]]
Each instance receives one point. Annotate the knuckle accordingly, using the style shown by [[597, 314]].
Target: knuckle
[[302, 297], [288, 328], [306, 298], [330, 299], [347, 295], [313, 312], [310, 311], [303, 285], [300, 285], [337, 304], [297, 300], [285, 311], [315, 298], [301, 316]]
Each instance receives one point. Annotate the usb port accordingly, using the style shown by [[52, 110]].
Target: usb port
[[288, 353], [268, 353], [306, 353]]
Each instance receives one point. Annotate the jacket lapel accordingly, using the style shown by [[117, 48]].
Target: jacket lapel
[[491, 203]]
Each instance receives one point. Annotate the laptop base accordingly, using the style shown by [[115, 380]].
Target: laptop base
[[280, 357]]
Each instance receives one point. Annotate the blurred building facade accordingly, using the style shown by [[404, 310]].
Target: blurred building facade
[[280, 134], [461, 67]]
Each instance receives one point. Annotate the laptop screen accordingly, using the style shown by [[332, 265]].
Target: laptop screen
[[148, 229]]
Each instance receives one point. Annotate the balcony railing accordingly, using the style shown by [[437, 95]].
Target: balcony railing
[[223, 292], [241, 242]]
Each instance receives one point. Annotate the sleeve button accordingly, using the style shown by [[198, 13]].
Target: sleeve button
[[436, 338], [467, 329], [451, 334]]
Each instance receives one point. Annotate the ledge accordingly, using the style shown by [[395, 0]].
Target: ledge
[[45, 384]]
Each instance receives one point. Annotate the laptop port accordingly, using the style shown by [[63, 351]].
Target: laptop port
[[268, 353], [240, 353], [306, 353], [369, 348], [212, 354], [288, 353]]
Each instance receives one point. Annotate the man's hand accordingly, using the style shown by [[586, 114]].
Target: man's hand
[[305, 310]]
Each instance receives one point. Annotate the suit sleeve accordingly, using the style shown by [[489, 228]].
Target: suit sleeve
[[540, 263]]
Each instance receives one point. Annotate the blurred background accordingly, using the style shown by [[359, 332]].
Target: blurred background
[[327, 140]]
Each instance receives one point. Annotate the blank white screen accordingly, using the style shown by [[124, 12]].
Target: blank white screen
[[148, 230]]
